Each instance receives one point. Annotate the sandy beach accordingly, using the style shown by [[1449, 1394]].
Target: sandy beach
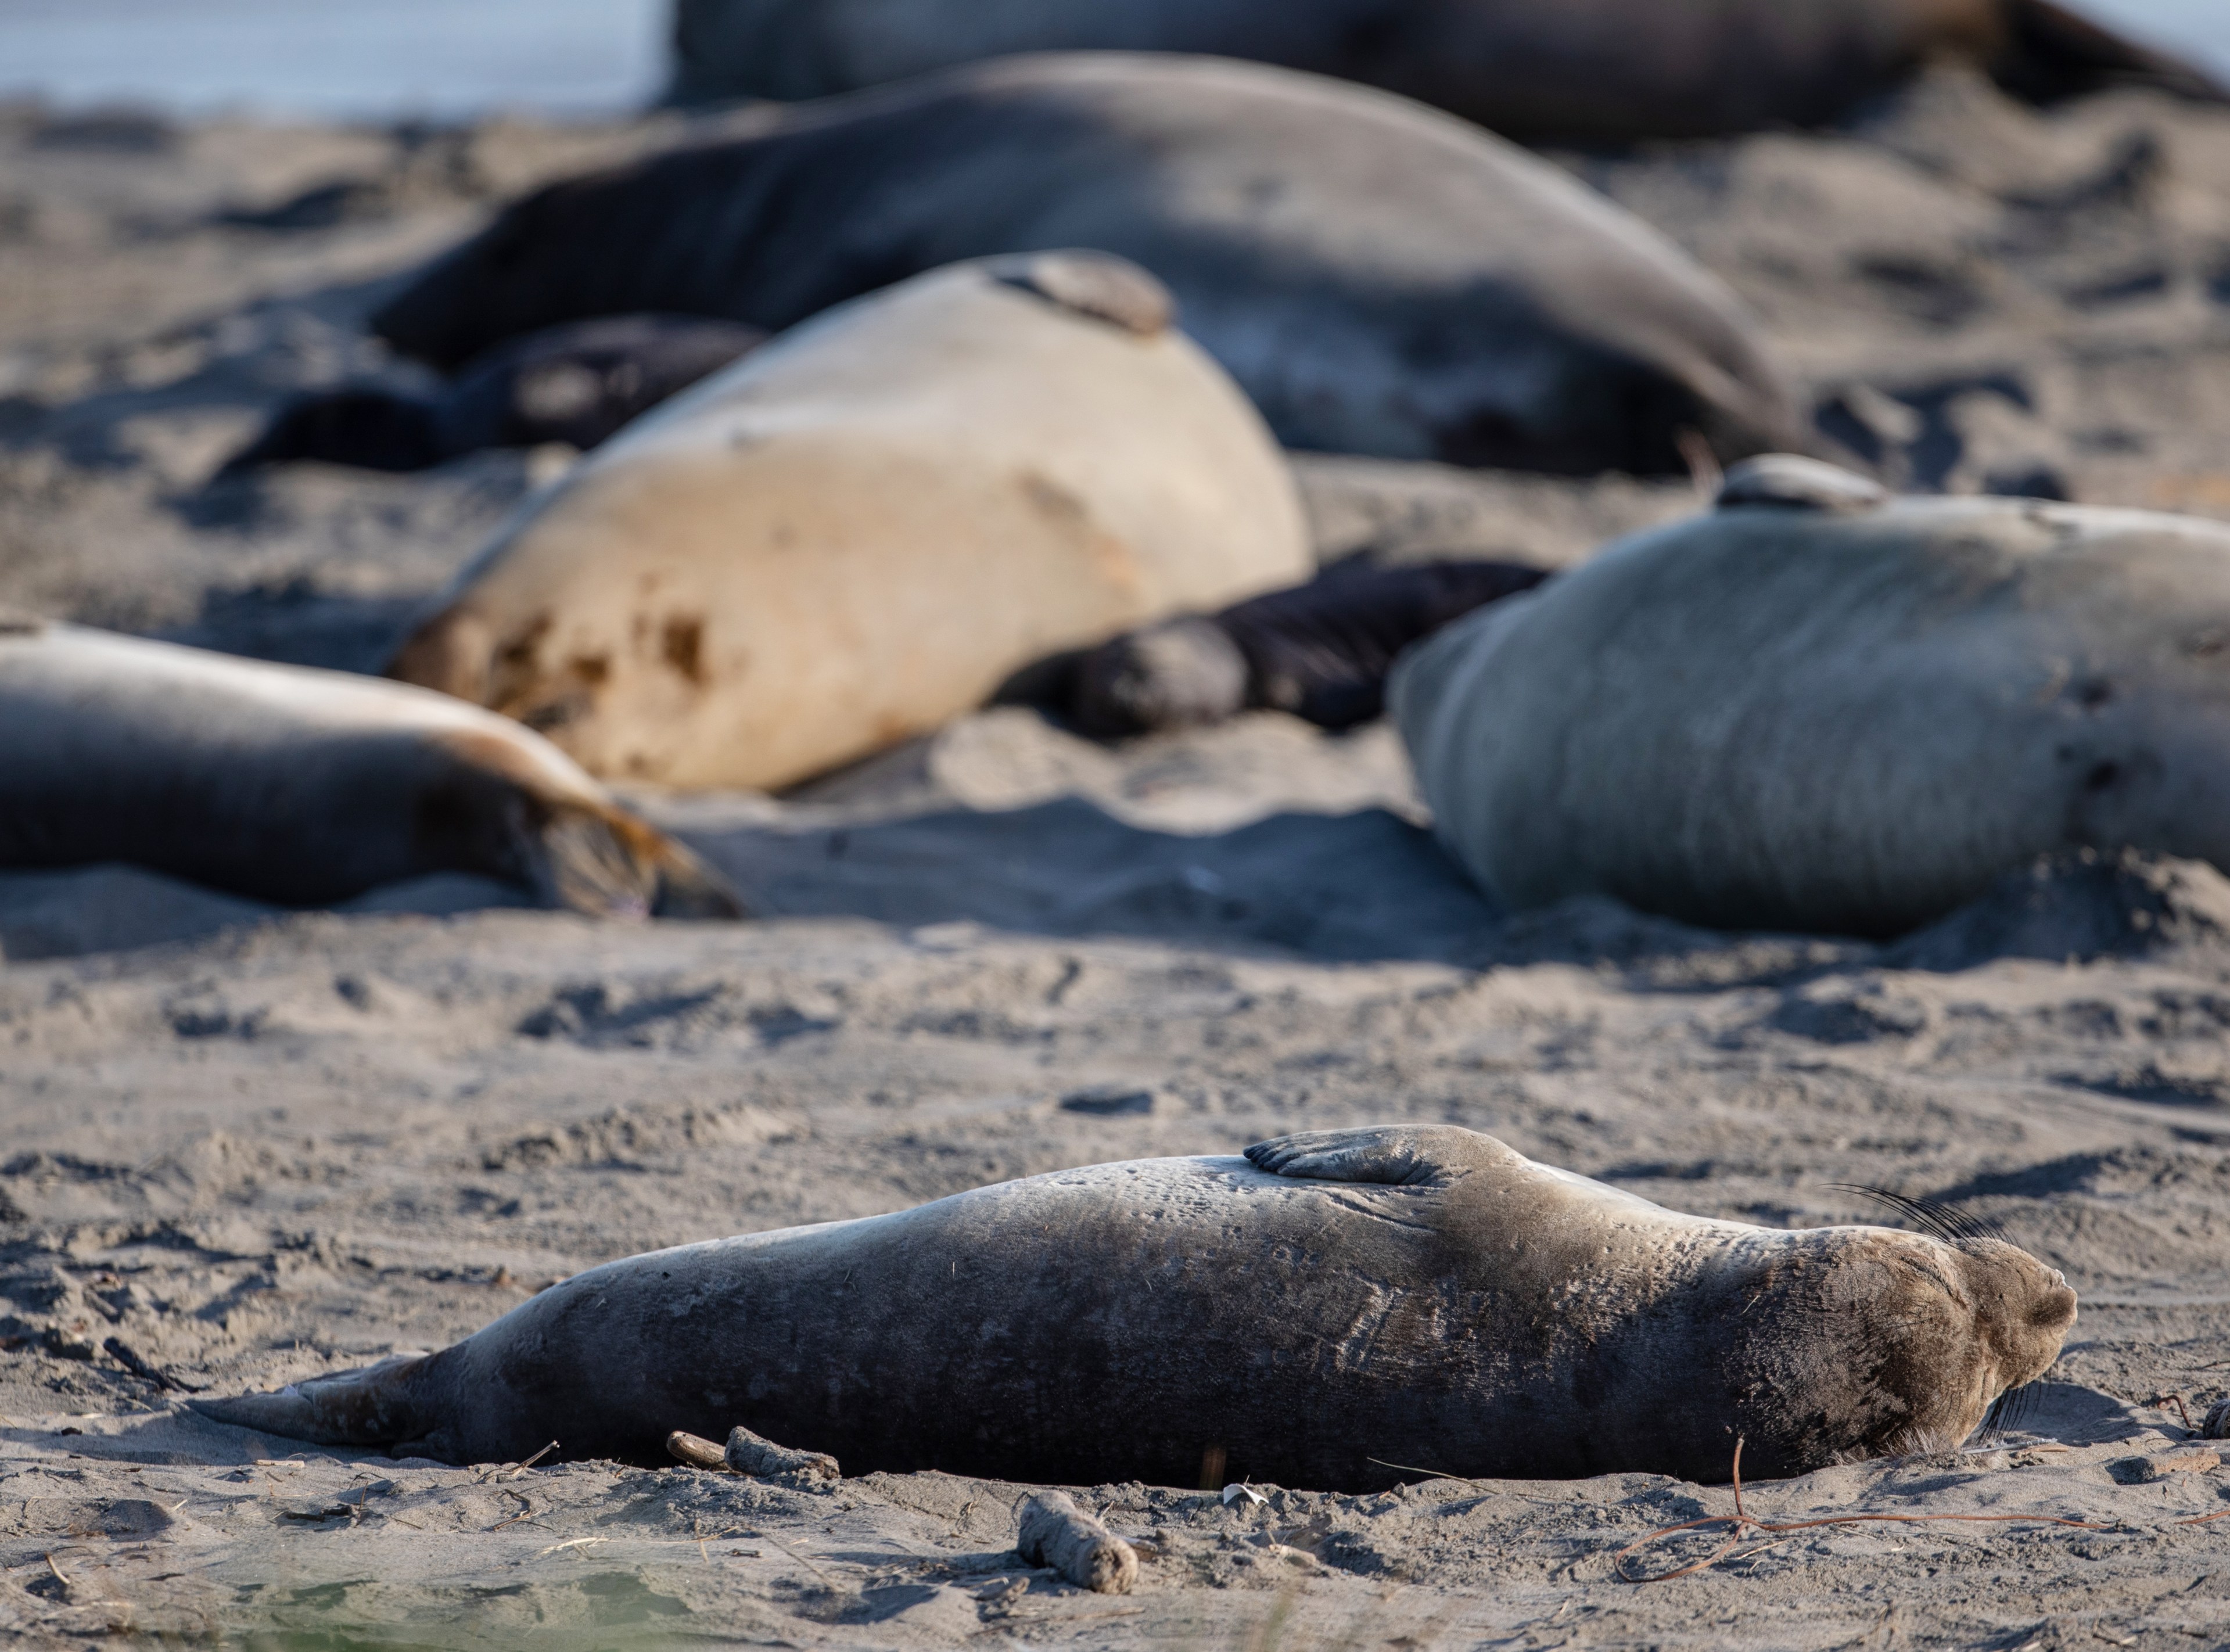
[[242, 1147]]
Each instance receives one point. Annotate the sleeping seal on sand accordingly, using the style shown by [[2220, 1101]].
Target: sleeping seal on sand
[[1596, 70], [1819, 708], [861, 530], [1379, 277], [303, 787], [1332, 1304], [576, 383]]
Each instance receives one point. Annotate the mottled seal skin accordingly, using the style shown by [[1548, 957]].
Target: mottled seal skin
[[303, 787], [578, 383], [1379, 277], [1588, 70], [857, 531], [1819, 708], [1332, 1304], [1321, 651]]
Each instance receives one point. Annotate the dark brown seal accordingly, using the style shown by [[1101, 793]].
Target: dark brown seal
[[1592, 70], [1380, 278], [1321, 651], [1331, 1305], [576, 383]]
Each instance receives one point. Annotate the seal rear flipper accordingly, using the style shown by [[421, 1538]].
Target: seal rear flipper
[[608, 864], [1390, 1155], [371, 1407]]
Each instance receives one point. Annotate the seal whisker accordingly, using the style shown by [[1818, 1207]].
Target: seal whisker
[[1943, 1221]]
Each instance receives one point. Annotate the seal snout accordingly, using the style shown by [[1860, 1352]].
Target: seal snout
[[2023, 1309]]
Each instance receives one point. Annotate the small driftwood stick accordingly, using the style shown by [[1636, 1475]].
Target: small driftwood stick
[[1057, 1533], [747, 1454], [695, 1450]]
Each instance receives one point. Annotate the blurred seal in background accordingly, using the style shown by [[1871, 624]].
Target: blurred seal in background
[[1321, 651], [857, 531], [1821, 708], [1379, 277], [304, 787], [1612, 71], [576, 383]]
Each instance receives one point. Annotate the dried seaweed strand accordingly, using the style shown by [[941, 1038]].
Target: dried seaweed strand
[[1745, 1528]]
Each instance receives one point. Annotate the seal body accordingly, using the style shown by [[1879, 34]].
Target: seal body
[[303, 787], [1380, 278], [1600, 70], [1819, 709], [861, 530], [1330, 1305], [576, 383]]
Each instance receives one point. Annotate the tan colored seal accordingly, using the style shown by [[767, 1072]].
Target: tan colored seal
[[859, 531], [1819, 709], [1332, 1305], [303, 787]]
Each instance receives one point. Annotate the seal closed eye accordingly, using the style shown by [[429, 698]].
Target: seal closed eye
[[1331, 1303]]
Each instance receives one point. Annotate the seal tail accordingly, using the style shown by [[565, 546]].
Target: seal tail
[[374, 1406], [604, 861], [2049, 53]]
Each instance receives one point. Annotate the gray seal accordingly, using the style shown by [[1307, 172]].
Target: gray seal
[[1822, 708], [1590, 70], [304, 787], [1332, 1305], [1379, 278]]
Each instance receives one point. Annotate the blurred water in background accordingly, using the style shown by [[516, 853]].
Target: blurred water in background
[[383, 58], [2200, 29], [369, 59]]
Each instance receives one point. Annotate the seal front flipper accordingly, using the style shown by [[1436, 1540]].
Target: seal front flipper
[[1390, 1155], [376, 1406], [1791, 481]]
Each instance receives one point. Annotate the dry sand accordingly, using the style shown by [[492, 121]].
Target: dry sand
[[241, 1147]]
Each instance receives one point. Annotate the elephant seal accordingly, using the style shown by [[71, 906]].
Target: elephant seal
[[1601, 71], [303, 787], [1321, 651], [1379, 277], [1333, 1304], [1819, 709], [576, 383], [861, 530]]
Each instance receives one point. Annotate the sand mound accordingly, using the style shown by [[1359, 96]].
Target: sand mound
[[2079, 906]]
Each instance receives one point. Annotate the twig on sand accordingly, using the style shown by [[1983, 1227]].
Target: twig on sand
[[147, 1370], [570, 1543], [794, 1554], [59, 1577], [512, 1471], [1743, 1527], [2175, 1400], [1430, 1473]]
